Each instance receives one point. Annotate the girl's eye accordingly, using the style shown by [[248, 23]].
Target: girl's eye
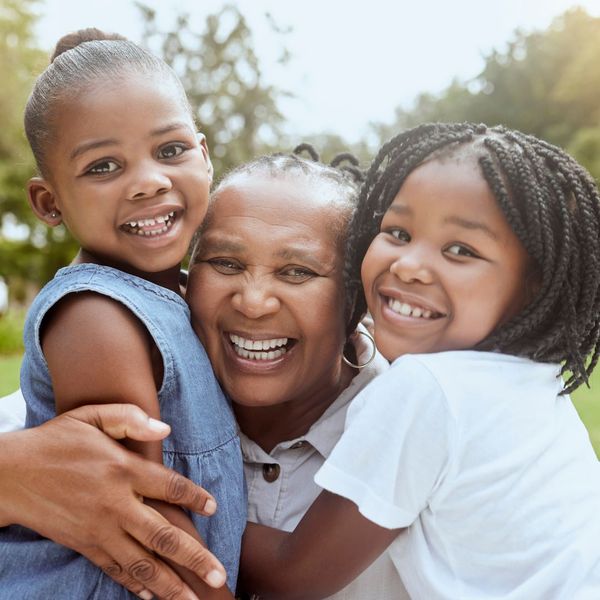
[[225, 266], [460, 250], [295, 274], [102, 168], [172, 150], [400, 234]]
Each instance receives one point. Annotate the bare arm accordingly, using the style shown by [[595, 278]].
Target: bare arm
[[330, 547], [98, 352]]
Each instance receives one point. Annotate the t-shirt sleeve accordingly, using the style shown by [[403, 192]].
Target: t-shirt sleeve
[[396, 447]]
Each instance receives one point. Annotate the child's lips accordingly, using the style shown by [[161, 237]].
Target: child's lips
[[410, 309], [410, 305]]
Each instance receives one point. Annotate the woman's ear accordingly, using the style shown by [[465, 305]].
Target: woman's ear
[[42, 200], [202, 141]]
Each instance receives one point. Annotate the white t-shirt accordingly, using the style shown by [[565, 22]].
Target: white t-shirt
[[488, 468], [281, 486], [12, 412]]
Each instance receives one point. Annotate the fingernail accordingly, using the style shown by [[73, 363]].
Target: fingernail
[[157, 425], [210, 507], [146, 595], [215, 578]]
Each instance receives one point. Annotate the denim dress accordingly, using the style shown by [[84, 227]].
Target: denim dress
[[203, 445]]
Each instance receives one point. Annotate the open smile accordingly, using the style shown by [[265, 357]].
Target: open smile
[[151, 226], [260, 350], [411, 310]]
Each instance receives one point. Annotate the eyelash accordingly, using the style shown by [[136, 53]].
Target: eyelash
[[398, 233], [292, 274], [96, 169]]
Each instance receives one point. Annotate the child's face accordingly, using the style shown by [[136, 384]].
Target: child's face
[[446, 268], [128, 173]]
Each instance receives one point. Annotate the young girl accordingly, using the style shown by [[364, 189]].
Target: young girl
[[123, 167], [481, 258]]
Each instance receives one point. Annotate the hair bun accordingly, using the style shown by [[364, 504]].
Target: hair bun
[[91, 34]]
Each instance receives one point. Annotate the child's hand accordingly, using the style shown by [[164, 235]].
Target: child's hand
[[71, 483]]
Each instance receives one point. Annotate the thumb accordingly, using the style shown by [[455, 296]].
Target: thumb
[[121, 421]]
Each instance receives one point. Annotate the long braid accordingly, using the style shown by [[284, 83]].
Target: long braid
[[553, 206]]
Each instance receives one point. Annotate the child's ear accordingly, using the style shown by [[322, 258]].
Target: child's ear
[[203, 145], [42, 200]]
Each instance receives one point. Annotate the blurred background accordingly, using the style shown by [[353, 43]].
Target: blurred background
[[264, 75]]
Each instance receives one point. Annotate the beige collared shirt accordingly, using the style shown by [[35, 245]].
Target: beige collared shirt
[[281, 486]]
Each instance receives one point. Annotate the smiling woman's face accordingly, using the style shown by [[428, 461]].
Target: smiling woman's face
[[266, 292]]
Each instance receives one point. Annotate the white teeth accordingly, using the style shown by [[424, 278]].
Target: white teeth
[[406, 310], [258, 349], [152, 222]]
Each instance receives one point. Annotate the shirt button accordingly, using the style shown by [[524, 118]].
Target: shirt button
[[297, 445], [271, 472]]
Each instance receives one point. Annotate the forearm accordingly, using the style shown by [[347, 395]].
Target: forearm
[[15, 505], [330, 547]]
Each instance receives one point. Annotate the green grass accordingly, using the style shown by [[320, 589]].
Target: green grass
[[587, 401], [9, 373]]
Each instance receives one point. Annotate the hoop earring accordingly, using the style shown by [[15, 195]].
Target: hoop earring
[[370, 359]]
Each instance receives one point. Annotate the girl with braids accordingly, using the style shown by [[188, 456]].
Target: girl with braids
[[122, 166], [479, 252]]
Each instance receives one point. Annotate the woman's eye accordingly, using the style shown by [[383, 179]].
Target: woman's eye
[[460, 250], [400, 234], [102, 168], [226, 266], [297, 274], [171, 150]]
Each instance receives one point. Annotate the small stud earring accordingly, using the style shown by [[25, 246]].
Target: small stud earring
[[54, 214]]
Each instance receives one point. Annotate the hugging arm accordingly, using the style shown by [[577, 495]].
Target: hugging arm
[[98, 352], [73, 502], [330, 547]]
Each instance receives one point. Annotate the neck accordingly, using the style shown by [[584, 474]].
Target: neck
[[270, 425], [168, 279]]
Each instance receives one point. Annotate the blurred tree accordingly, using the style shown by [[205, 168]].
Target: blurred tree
[[234, 108], [32, 258], [546, 83]]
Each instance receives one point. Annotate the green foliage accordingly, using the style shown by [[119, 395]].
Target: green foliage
[[11, 332], [546, 83], [234, 108]]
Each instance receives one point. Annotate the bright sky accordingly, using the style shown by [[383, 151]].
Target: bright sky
[[352, 62]]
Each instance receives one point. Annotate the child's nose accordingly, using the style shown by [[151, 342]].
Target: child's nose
[[255, 300], [148, 182], [412, 265]]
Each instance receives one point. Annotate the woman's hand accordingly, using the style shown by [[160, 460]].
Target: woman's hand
[[69, 482]]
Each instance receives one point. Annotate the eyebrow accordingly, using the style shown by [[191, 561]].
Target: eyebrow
[[301, 255], [100, 143], [472, 225], [453, 220]]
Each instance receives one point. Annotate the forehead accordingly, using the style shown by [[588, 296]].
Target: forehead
[[127, 100], [271, 210]]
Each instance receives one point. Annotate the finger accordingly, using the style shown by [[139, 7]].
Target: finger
[[159, 535], [121, 421], [141, 573], [118, 574], [156, 481]]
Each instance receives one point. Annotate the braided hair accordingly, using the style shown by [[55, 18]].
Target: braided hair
[[553, 206], [343, 172]]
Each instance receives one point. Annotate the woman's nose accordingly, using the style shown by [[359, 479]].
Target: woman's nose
[[413, 265], [255, 300], [147, 182]]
